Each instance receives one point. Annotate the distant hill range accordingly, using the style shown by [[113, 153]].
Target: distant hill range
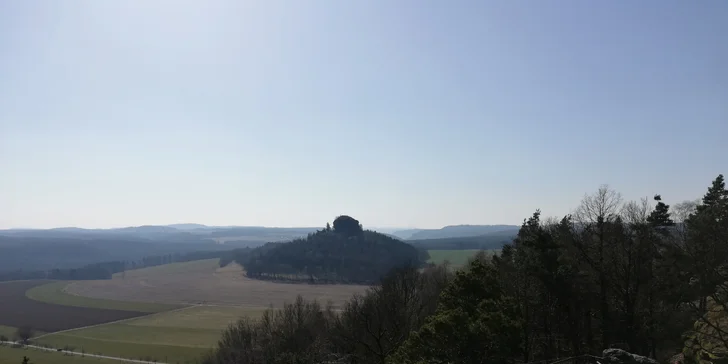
[[71, 247], [455, 231]]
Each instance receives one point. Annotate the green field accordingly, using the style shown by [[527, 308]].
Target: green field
[[457, 258], [7, 331], [10, 355], [175, 337], [53, 293]]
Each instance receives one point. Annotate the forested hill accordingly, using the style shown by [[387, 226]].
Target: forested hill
[[345, 253]]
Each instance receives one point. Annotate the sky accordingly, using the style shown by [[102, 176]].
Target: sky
[[407, 113]]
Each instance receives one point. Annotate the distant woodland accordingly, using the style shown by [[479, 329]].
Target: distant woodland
[[489, 241], [105, 270]]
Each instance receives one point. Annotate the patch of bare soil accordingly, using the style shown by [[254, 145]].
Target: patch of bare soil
[[208, 284]]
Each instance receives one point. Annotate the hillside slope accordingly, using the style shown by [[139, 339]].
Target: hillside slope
[[459, 231], [346, 253], [491, 241]]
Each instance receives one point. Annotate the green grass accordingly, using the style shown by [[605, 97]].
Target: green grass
[[204, 317], [54, 293], [129, 350], [457, 258], [10, 355], [9, 332], [178, 336]]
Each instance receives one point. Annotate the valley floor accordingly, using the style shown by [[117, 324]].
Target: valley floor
[[181, 310], [203, 282]]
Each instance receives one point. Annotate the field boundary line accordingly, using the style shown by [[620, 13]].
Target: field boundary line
[[36, 347], [115, 322]]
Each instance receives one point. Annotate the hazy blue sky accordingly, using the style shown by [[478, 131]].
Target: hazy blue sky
[[399, 113]]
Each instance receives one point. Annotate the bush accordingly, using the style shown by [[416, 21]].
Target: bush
[[24, 334]]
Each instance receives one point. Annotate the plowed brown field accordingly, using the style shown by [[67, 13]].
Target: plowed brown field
[[203, 282]]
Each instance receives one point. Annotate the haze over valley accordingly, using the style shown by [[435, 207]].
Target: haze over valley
[[363, 182]]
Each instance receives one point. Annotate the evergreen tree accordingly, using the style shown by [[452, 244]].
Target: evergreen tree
[[660, 216], [474, 323]]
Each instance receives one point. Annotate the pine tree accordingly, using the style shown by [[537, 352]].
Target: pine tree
[[707, 233], [660, 216], [716, 195], [474, 323]]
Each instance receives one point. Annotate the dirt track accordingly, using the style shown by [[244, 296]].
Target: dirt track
[[18, 310], [206, 284]]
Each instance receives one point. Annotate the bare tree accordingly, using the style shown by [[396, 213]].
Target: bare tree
[[372, 326], [594, 217], [636, 212], [681, 211], [601, 205]]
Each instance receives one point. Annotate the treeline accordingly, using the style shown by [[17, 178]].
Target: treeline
[[649, 279], [105, 270], [368, 329], [345, 253], [491, 241]]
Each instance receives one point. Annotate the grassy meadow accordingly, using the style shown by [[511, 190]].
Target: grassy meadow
[[179, 336], [7, 331], [10, 355]]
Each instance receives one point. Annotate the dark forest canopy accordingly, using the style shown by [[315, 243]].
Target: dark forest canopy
[[344, 253], [648, 277]]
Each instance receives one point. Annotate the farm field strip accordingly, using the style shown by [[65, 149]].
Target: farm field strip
[[204, 282], [173, 336], [121, 333], [211, 297], [17, 310], [55, 293], [148, 352], [14, 355], [204, 265], [107, 323], [7, 331]]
